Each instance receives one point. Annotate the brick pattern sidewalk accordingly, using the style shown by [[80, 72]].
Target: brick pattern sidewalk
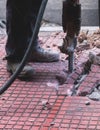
[[37, 105], [90, 81]]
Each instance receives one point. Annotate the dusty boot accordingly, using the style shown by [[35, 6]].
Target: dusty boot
[[27, 71], [41, 55]]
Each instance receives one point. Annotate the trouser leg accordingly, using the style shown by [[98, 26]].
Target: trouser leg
[[21, 17]]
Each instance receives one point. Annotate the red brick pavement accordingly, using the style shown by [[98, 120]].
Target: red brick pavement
[[22, 108], [90, 81]]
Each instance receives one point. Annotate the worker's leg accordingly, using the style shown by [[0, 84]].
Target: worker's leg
[[21, 19], [39, 54], [17, 29]]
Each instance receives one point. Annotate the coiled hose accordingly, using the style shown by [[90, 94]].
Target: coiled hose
[[29, 49]]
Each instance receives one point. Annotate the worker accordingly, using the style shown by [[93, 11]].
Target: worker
[[21, 17]]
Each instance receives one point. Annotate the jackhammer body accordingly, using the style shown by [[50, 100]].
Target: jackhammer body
[[71, 22]]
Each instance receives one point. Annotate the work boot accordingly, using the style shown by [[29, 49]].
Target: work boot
[[27, 71], [41, 55]]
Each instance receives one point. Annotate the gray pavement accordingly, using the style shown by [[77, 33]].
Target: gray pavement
[[89, 12], [2, 9], [53, 12]]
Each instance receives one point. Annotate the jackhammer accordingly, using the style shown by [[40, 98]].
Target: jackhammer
[[71, 22]]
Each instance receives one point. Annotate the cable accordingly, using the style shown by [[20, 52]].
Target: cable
[[29, 49]]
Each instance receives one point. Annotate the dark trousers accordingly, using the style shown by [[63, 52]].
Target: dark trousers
[[21, 17]]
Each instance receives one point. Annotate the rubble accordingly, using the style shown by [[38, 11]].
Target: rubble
[[86, 39], [87, 103], [82, 36], [61, 77], [46, 105], [94, 59], [95, 96]]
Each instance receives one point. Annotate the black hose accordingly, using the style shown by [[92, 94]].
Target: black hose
[[29, 49]]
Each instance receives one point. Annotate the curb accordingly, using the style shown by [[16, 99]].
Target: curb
[[59, 28]]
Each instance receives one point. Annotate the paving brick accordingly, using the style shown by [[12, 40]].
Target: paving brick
[[56, 128], [2, 126], [18, 127], [35, 128], [44, 128], [95, 68], [90, 81], [98, 127], [9, 127], [70, 81], [92, 127], [26, 127], [74, 75], [65, 89], [82, 127], [64, 129]]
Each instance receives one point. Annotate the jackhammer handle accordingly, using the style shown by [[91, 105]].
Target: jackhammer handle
[[71, 18]]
